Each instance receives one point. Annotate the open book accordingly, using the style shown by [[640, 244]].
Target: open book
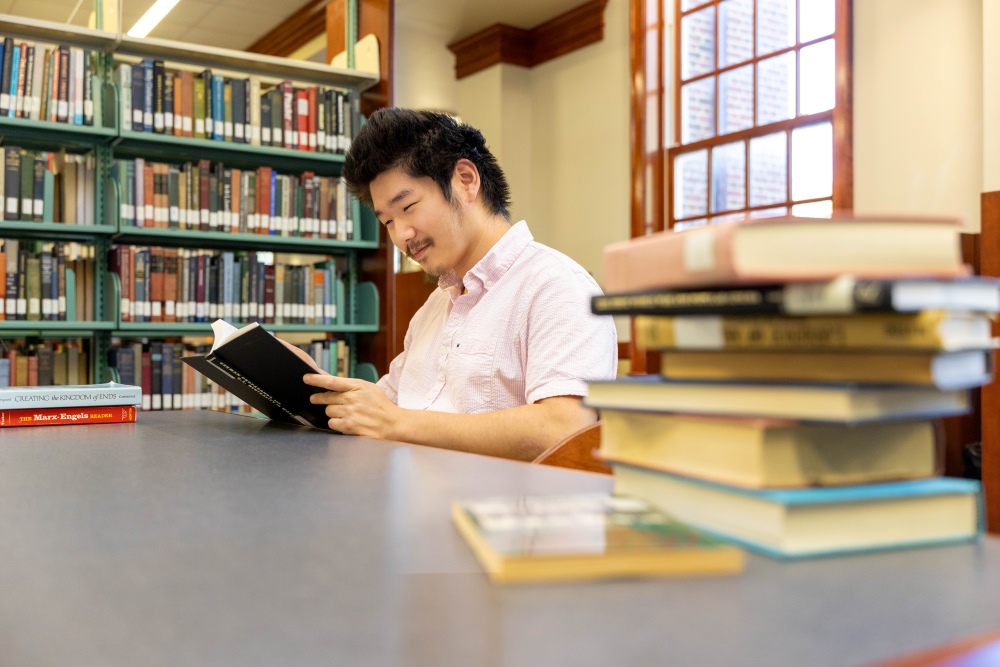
[[258, 369]]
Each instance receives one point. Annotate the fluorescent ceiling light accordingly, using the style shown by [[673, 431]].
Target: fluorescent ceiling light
[[152, 16]]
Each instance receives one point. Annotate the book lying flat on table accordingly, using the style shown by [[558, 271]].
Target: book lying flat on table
[[769, 453], [71, 395], [944, 370], [585, 536], [258, 369], [111, 414], [785, 249], [809, 402], [844, 295], [792, 523], [928, 330]]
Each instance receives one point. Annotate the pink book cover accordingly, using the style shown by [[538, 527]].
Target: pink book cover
[[704, 256]]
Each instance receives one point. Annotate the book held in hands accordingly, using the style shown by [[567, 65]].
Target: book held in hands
[[258, 369]]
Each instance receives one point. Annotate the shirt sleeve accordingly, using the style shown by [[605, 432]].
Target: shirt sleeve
[[567, 344]]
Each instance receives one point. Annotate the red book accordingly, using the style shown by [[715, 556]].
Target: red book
[[777, 250], [311, 95], [116, 414]]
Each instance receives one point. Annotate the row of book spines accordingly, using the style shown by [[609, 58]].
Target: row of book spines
[[113, 414], [40, 186], [46, 281], [169, 384], [182, 285], [54, 84], [45, 365], [211, 106], [210, 197]]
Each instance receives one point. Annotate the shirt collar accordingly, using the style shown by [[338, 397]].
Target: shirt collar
[[493, 265]]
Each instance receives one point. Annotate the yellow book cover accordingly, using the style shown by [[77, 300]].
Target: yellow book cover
[[927, 330], [585, 536]]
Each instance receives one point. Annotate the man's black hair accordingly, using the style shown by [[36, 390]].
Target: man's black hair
[[423, 143]]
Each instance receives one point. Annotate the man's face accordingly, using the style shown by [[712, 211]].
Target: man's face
[[421, 222]]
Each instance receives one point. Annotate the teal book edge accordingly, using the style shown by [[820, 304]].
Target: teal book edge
[[934, 486]]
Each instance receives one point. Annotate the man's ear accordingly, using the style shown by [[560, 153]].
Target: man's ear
[[465, 181]]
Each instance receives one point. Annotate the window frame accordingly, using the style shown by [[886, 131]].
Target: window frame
[[840, 117]]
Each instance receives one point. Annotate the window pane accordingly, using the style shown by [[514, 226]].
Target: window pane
[[817, 77], [769, 212], [728, 217], [690, 184], [698, 42], [814, 209], [736, 99], [768, 169], [689, 224], [817, 19], [729, 169], [735, 31], [775, 25], [776, 89], [812, 161], [698, 110]]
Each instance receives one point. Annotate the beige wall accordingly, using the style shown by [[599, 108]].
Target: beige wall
[[918, 107]]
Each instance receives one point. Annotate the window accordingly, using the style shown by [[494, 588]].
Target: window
[[761, 110]]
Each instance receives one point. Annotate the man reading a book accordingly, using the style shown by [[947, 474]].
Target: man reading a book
[[496, 359]]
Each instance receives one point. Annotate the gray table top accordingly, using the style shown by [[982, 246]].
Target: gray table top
[[200, 538]]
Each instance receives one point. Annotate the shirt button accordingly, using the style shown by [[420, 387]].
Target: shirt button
[[489, 283]]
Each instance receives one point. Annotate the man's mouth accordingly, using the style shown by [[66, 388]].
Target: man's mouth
[[417, 252]]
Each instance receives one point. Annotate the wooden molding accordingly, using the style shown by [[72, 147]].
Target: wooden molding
[[502, 43], [298, 29], [989, 265]]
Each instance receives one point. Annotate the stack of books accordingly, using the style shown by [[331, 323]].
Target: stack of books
[[109, 403], [803, 363]]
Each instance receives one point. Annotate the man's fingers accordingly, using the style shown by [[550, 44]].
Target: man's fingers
[[331, 382]]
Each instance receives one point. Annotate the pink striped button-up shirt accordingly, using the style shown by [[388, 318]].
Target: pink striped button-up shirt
[[521, 333]]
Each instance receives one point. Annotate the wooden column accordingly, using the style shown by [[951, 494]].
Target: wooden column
[[989, 264]]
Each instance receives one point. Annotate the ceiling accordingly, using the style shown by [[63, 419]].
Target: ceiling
[[236, 24]]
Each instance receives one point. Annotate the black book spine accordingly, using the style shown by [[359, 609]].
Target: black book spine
[[29, 76], [8, 53], [47, 305], [38, 191], [265, 119], [168, 103], [156, 357], [88, 87], [138, 95]]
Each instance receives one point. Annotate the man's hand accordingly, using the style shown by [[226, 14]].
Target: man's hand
[[356, 407]]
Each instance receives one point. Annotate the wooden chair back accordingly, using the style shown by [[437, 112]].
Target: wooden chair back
[[577, 452]]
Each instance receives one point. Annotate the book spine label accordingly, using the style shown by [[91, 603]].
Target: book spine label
[[116, 414], [63, 397]]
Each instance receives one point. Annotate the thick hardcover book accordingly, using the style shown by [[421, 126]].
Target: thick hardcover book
[[777, 250], [796, 523], [769, 453], [947, 370], [149, 95], [8, 54], [843, 295], [842, 403], [927, 330], [138, 96], [110, 393], [115, 414], [258, 369], [159, 102], [585, 536]]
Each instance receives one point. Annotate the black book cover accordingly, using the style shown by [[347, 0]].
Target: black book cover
[[239, 111], [8, 53], [138, 96], [178, 371], [258, 369], [12, 182], [158, 102], [47, 310], [46, 365], [38, 187], [206, 76], [29, 76], [169, 122], [88, 87], [265, 119]]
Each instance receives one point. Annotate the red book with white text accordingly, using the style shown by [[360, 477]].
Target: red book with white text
[[785, 249], [114, 414]]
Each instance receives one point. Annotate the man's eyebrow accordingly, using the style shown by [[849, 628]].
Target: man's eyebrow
[[402, 194]]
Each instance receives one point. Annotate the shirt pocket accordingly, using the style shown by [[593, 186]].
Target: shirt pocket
[[472, 374]]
